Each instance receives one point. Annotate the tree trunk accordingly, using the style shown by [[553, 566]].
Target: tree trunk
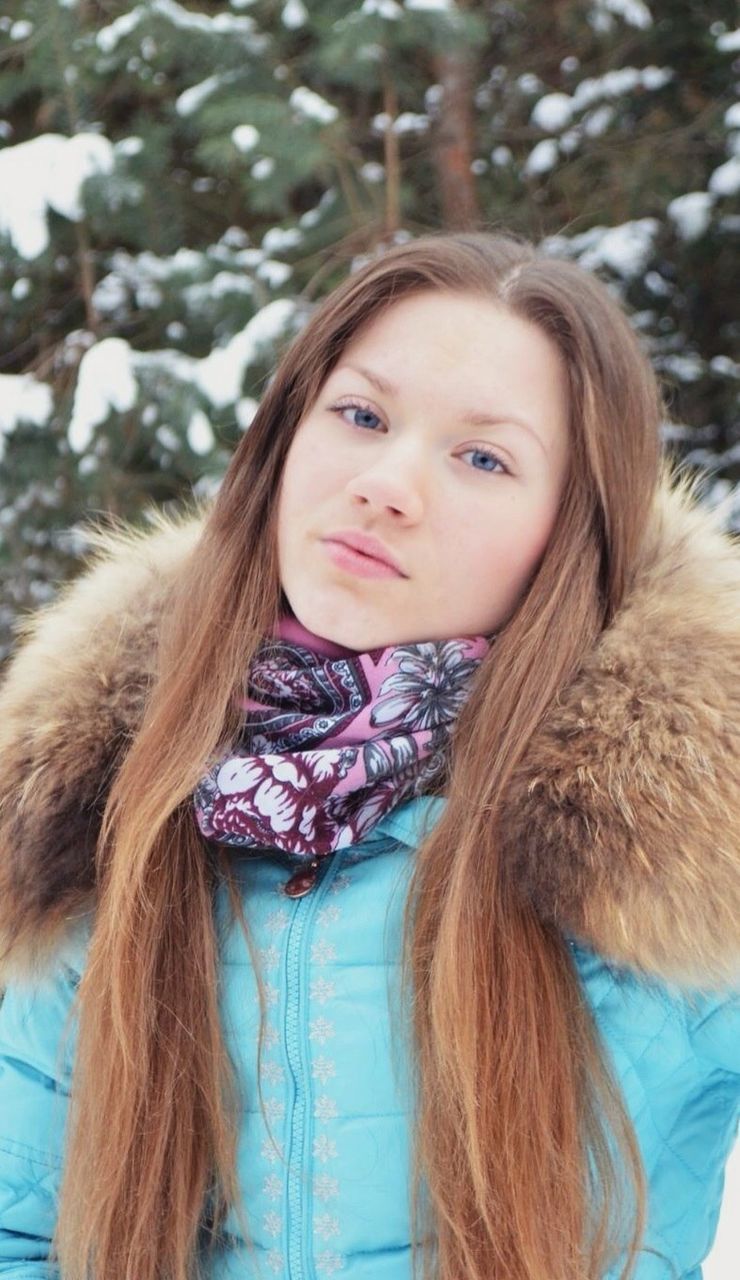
[[453, 140]]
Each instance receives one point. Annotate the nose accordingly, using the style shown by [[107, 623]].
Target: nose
[[392, 481]]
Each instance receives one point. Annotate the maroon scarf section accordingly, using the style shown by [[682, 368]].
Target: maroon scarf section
[[333, 738]]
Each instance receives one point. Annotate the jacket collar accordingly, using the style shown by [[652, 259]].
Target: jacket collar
[[623, 821], [411, 820]]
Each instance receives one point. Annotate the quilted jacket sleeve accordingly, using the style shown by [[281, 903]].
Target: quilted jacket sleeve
[[37, 1033], [708, 1133], [714, 1026]]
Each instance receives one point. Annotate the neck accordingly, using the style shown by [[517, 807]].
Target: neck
[[289, 628]]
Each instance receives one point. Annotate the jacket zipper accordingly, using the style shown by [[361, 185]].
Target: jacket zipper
[[298, 1220]]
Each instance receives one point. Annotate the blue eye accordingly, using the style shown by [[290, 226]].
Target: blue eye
[[355, 407], [490, 456]]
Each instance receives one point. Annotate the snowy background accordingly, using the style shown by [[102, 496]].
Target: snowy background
[[180, 183]]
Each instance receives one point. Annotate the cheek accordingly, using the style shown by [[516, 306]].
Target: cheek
[[297, 481], [535, 532], [310, 478], [307, 482], [498, 558]]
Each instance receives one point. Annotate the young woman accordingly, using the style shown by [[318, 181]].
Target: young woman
[[372, 910]]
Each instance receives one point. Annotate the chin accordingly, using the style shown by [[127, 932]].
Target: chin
[[348, 637], [347, 622]]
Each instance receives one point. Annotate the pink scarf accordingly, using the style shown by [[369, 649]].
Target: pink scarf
[[333, 738]]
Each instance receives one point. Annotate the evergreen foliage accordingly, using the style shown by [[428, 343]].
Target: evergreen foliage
[[181, 182]]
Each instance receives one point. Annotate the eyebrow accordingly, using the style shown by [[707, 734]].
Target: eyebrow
[[473, 419]]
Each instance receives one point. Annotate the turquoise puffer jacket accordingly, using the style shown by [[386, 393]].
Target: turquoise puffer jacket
[[620, 827], [323, 1169]]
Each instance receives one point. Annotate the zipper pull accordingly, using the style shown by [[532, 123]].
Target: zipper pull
[[302, 881]]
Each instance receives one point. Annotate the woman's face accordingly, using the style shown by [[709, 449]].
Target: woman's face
[[466, 509]]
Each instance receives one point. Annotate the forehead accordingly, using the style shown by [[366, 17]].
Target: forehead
[[450, 336]]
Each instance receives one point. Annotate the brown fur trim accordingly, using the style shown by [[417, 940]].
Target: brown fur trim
[[71, 700], [623, 825]]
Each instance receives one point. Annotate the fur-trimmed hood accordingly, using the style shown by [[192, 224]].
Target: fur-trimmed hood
[[623, 821]]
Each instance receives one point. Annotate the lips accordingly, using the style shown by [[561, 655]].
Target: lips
[[367, 545]]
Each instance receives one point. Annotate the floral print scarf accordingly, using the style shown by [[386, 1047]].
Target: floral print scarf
[[333, 738]]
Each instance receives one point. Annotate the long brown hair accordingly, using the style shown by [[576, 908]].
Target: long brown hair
[[525, 1164]]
